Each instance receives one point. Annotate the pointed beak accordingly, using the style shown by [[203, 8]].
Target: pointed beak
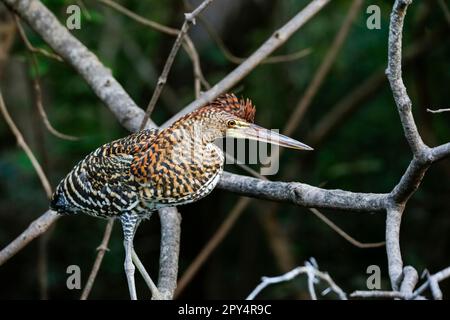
[[255, 132]]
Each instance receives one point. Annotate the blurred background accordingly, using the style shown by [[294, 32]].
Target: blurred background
[[351, 121]]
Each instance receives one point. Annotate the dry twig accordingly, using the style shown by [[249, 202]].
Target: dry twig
[[312, 271], [438, 110], [21, 142], [36, 84], [189, 19], [98, 260], [109, 91]]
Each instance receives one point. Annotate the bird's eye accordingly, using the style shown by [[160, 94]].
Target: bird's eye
[[231, 123]]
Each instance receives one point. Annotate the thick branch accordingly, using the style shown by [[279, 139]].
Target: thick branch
[[302, 194], [410, 180], [410, 279], [404, 279], [394, 74], [394, 256], [98, 260]]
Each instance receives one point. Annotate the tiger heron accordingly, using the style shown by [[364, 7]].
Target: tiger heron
[[131, 177]]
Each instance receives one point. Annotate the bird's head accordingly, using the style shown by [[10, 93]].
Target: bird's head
[[228, 116]]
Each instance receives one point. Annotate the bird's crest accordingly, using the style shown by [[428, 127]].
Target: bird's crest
[[243, 109]]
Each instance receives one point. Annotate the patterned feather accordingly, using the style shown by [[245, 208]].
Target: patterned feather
[[152, 169]]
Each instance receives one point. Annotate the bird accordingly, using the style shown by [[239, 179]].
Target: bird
[[131, 177]]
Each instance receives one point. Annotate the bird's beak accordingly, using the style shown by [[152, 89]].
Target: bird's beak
[[255, 132]]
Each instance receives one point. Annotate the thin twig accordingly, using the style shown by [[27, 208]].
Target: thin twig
[[344, 234], [187, 43], [310, 270], [36, 84], [189, 19], [170, 220], [148, 280], [42, 265], [409, 281], [324, 68], [21, 142], [199, 78], [32, 48], [238, 60], [85, 10], [98, 260], [431, 282], [438, 110], [437, 277]]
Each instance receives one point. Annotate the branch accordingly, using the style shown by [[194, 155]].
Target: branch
[[243, 203], [275, 41], [438, 110], [148, 280], [311, 271], [146, 22], [32, 48], [36, 84], [113, 95], [433, 280], [188, 45], [189, 19], [98, 77], [302, 194], [170, 248], [21, 142], [363, 92], [406, 293], [238, 60], [344, 234], [98, 260]]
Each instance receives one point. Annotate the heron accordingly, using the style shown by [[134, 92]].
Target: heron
[[131, 177]]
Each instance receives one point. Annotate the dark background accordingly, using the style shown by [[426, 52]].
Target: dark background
[[365, 152]]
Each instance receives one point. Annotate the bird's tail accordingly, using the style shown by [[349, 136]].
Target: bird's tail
[[59, 202]]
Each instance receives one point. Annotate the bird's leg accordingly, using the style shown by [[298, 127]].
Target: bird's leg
[[129, 222]]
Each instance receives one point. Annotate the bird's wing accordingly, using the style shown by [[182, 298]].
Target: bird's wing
[[101, 183]]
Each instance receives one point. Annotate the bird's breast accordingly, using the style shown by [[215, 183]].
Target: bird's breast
[[180, 179]]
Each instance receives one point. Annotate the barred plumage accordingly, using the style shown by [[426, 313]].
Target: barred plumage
[[131, 177]]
